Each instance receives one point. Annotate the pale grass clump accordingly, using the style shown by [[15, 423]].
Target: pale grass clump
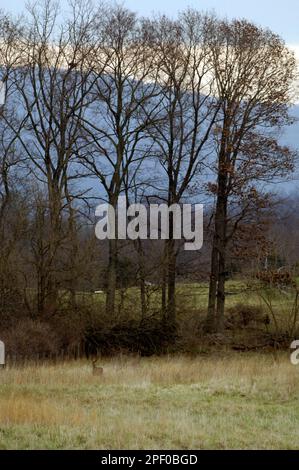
[[235, 401], [24, 410]]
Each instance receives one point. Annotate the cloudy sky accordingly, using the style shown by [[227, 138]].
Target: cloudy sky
[[282, 16]]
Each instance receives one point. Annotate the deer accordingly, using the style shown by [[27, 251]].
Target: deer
[[96, 370]]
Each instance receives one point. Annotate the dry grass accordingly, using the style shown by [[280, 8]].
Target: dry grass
[[236, 401]]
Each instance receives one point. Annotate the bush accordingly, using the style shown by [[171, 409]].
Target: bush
[[151, 336], [242, 315], [30, 338]]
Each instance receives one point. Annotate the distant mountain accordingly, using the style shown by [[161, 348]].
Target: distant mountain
[[291, 136]]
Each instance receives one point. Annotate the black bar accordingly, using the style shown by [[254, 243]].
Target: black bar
[[140, 458]]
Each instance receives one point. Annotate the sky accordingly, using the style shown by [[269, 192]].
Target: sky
[[282, 16]]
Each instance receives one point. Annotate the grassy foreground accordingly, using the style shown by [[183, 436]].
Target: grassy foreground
[[224, 402]]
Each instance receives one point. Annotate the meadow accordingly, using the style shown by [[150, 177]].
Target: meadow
[[224, 401], [210, 397], [194, 296]]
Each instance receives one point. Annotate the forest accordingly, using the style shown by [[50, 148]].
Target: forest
[[100, 103]]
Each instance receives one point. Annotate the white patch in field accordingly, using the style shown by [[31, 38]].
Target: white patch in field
[[2, 353], [2, 92]]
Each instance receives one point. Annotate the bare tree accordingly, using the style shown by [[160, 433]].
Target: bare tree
[[254, 72], [12, 197], [187, 114], [115, 130], [52, 92]]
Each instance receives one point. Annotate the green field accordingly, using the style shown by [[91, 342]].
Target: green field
[[192, 301]]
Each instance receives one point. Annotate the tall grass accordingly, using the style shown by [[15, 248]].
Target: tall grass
[[235, 401]]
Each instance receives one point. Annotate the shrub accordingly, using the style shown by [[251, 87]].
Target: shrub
[[30, 338], [242, 315]]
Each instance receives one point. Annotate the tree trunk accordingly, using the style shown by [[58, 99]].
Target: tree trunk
[[221, 239], [74, 248], [51, 300], [112, 260], [215, 314], [111, 278], [141, 263], [171, 278], [164, 286], [210, 320], [220, 294]]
